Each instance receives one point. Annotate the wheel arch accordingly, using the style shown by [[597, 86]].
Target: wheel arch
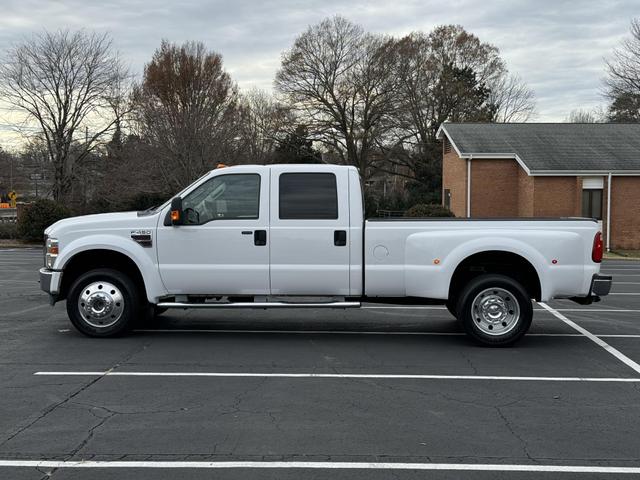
[[497, 261], [90, 259]]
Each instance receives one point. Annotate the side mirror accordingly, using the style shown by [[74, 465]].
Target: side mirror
[[176, 212]]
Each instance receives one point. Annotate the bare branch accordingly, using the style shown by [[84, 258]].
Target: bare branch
[[63, 82]]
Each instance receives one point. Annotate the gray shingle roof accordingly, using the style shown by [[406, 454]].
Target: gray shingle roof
[[553, 146]]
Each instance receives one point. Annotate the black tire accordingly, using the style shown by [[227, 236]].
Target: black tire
[[121, 303], [451, 306], [159, 310], [147, 315], [495, 310]]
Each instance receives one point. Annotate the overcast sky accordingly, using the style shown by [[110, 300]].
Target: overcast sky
[[557, 46]]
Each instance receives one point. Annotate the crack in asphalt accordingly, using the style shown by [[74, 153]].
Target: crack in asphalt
[[469, 362], [44, 413], [475, 403], [45, 474], [523, 442], [50, 409]]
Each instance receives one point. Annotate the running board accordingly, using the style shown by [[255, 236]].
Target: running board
[[259, 305]]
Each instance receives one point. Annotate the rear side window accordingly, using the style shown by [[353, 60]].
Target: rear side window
[[308, 196]]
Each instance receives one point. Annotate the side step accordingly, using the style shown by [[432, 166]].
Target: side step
[[260, 305]]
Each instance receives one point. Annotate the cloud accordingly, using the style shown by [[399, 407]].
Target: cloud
[[557, 46]]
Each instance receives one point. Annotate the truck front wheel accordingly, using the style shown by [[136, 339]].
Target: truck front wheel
[[103, 303], [495, 310]]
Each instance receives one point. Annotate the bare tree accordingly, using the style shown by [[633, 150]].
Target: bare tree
[[264, 122], [446, 75], [441, 76], [624, 66], [580, 115], [623, 81], [65, 82], [338, 79], [186, 108], [513, 100]]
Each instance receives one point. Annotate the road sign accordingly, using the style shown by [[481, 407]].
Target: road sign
[[12, 199]]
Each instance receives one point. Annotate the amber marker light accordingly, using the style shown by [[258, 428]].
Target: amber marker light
[[436, 261], [175, 215]]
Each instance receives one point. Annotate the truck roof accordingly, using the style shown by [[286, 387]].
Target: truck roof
[[313, 167]]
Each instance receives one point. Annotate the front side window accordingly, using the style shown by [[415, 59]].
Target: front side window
[[224, 197], [592, 203], [308, 196]]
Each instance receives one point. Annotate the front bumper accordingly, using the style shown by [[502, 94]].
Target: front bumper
[[50, 283], [600, 286]]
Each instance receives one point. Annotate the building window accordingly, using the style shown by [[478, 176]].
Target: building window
[[308, 196], [592, 203], [447, 199]]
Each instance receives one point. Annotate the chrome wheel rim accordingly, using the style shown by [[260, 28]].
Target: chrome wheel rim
[[495, 311], [101, 304]]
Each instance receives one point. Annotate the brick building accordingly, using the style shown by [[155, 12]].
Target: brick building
[[546, 170]]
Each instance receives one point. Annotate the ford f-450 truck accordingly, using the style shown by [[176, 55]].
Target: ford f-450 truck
[[294, 236]]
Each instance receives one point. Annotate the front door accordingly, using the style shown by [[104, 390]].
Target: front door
[[309, 231], [223, 249]]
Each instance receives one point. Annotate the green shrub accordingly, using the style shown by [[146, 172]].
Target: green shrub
[[428, 210], [8, 231], [38, 216]]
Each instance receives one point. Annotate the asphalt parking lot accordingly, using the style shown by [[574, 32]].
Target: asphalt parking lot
[[359, 394]]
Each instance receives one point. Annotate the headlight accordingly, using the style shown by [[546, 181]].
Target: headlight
[[51, 252]]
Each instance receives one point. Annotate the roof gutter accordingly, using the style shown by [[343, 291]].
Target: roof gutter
[[609, 212], [469, 186], [587, 173]]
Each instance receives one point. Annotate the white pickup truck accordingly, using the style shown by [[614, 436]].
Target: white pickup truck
[[294, 236]]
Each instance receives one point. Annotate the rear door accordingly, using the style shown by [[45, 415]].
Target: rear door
[[309, 230]]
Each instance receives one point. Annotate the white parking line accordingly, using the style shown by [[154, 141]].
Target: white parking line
[[26, 310], [616, 353], [469, 467], [308, 332], [355, 332], [437, 307], [589, 310], [116, 373]]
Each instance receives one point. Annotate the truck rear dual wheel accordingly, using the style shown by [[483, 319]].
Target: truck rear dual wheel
[[495, 310], [103, 303]]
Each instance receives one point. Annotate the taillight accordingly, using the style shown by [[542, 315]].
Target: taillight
[[596, 252]]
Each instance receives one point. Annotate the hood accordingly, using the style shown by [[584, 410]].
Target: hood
[[102, 221]]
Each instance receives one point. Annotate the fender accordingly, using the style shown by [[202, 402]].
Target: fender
[[436, 255], [142, 257]]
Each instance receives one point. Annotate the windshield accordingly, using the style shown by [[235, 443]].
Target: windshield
[[154, 209]]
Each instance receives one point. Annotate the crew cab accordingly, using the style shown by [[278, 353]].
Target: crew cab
[[294, 236]]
